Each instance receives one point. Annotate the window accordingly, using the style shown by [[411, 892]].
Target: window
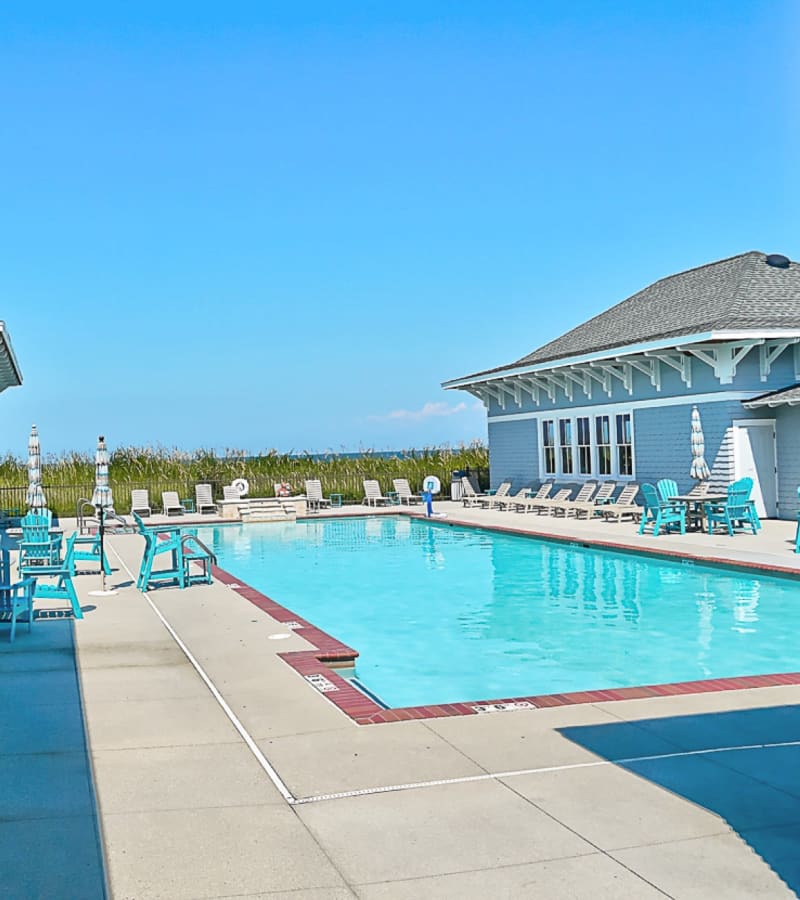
[[589, 445], [565, 445], [584, 446], [549, 444], [624, 445], [603, 441]]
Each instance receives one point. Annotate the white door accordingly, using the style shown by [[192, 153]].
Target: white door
[[755, 457]]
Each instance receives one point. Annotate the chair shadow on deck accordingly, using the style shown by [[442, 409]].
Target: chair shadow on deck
[[49, 834], [743, 765]]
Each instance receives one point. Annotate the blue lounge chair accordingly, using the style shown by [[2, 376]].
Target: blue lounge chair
[[15, 599], [667, 489], [61, 588], [661, 513], [738, 510], [38, 544]]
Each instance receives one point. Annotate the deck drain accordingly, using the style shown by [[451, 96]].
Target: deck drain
[[503, 707], [321, 683], [278, 636]]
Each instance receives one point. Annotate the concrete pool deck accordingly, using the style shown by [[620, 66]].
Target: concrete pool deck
[[685, 796]]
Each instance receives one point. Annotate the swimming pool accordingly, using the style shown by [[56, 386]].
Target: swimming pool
[[441, 614]]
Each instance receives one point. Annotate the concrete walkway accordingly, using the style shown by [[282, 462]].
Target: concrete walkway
[[675, 796]]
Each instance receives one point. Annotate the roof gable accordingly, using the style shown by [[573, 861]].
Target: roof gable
[[740, 293]]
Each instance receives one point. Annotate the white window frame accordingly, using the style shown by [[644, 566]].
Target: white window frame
[[612, 411]]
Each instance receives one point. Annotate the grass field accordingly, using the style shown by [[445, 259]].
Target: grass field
[[68, 478]]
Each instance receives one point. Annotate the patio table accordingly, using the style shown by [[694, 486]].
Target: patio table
[[694, 503]]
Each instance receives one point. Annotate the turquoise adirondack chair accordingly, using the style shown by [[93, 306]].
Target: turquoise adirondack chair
[[667, 488], [16, 599], [183, 550], [61, 587], [37, 544], [660, 514], [738, 510], [91, 553], [797, 533]]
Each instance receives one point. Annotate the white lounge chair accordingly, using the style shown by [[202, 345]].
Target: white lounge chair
[[623, 505], [204, 500], [525, 504], [170, 504], [495, 499], [507, 501], [373, 495], [550, 503], [468, 495], [585, 495], [594, 506], [140, 503], [229, 492], [404, 492], [314, 498]]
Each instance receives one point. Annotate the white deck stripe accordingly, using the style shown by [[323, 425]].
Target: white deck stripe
[[246, 737], [415, 785]]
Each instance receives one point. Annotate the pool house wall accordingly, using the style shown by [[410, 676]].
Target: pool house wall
[[660, 424]]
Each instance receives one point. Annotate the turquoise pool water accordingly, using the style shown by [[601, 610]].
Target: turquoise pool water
[[442, 614]]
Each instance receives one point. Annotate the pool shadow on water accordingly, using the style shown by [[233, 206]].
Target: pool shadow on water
[[49, 834], [742, 765]]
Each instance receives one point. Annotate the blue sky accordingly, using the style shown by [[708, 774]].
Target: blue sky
[[296, 220]]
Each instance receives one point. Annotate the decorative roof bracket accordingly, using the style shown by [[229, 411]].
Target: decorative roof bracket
[[722, 358], [769, 352], [649, 366], [681, 362]]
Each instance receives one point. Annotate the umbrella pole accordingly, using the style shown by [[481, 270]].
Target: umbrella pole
[[102, 551]]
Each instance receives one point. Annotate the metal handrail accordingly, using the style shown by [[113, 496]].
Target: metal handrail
[[193, 537], [79, 510]]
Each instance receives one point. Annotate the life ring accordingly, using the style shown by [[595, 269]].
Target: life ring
[[284, 490], [242, 486]]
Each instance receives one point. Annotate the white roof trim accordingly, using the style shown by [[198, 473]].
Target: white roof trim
[[10, 373], [625, 350]]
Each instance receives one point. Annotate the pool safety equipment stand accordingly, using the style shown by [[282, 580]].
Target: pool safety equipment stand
[[430, 486]]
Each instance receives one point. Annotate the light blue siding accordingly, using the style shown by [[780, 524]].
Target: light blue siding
[[787, 427], [514, 453]]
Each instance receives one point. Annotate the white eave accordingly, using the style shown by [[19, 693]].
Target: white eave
[[721, 351], [10, 373]]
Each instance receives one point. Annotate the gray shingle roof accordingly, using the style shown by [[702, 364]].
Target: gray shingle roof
[[740, 293], [787, 397]]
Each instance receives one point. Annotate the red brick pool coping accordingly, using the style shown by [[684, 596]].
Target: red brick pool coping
[[330, 653]]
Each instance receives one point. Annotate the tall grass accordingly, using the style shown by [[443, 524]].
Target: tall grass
[[69, 477]]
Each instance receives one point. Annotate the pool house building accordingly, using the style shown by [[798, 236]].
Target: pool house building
[[613, 397]]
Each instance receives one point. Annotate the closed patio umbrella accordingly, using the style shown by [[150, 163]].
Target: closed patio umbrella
[[35, 495], [103, 502], [699, 469]]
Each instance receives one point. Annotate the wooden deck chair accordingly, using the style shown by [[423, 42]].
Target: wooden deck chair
[[592, 506], [204, 501], [623, 505], [140, 503], [585, 495], [404, 492], [314, 499], [372, 493], [524, 504], [16, 599], [549, 504], [495, 499], [170, 504]]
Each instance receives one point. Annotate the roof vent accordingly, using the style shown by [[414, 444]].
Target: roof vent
[[778, 261]]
